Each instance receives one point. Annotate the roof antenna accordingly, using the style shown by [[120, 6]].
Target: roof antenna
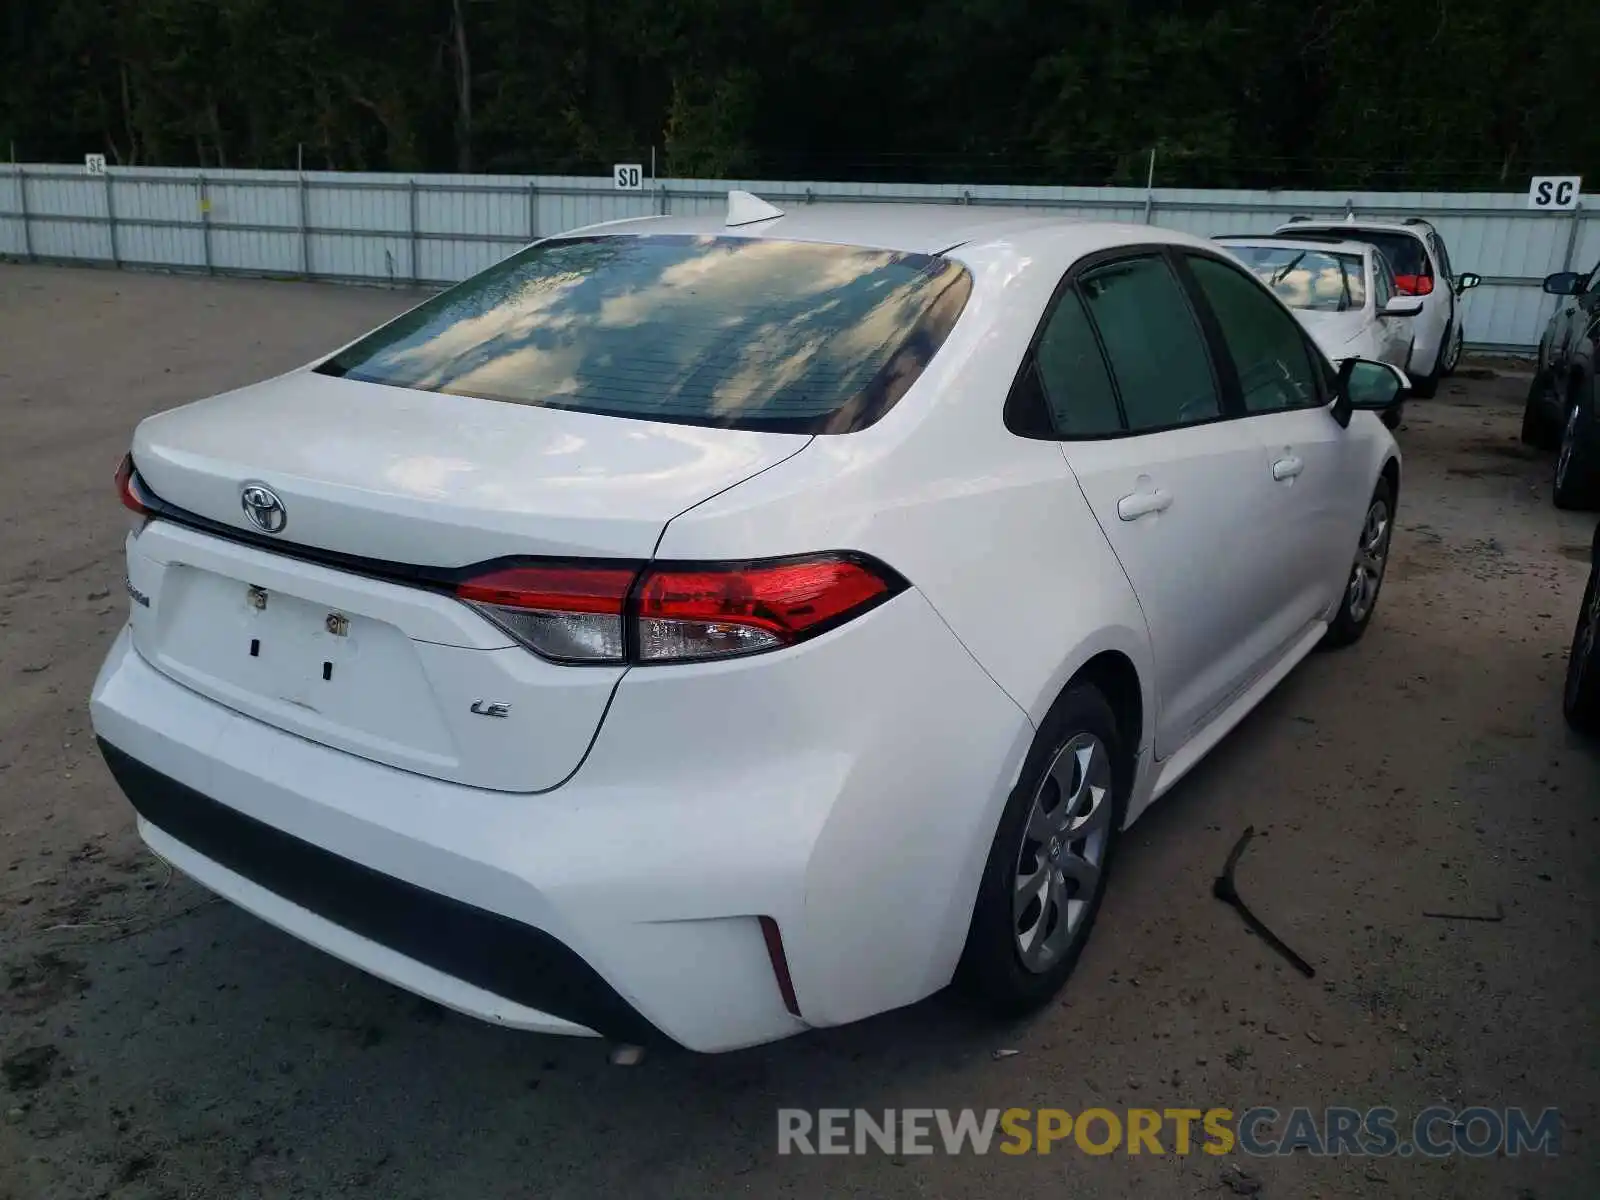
[[746, 209]]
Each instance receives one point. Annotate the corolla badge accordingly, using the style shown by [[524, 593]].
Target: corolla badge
[[262, 506]]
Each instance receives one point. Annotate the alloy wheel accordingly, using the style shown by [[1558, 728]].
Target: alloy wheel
[[1372, 553], [1569, 441], [1063, 851], [1583, 643], [1452, 358]]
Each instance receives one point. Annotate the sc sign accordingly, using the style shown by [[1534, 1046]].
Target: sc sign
[[1555, 192], [629, 177]]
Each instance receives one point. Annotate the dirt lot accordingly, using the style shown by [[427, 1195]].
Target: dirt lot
[[156, 1043]]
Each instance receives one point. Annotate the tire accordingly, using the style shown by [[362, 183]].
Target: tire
[[1577, 471], [1394, 417], [1580, 698], [1455, 345], [1537, 428], [1002, 968], [1425, 387], [1358, 603]]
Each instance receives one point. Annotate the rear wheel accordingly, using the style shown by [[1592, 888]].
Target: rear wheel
[[1577, 471], [1360, 599], [1425, 387], [1047, 868], [1581, 696]]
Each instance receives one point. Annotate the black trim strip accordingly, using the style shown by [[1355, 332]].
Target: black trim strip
[[488, 950]]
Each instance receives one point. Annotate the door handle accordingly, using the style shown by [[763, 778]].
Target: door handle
[[1140, 504], [1287, 468]]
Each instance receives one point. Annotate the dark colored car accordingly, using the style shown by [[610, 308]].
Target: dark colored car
[[1581, 699], [1561, 411]]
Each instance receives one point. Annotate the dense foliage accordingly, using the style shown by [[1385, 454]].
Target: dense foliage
[[1415, 93]]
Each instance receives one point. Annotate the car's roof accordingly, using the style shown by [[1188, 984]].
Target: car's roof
[[907, 228], [1278, 239], [1415, 230]]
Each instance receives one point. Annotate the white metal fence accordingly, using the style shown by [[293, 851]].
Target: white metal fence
[[436, 229]]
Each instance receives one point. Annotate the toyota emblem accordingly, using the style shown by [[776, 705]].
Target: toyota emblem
[[262, 506]]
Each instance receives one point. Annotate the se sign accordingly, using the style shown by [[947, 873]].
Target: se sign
[[94, 164], [1553, 192]]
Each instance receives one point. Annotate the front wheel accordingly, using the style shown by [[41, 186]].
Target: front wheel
[[1360, 598], [1047, 868], [1577, 469], [1538, 429], [1580, 701], [1455, 346]]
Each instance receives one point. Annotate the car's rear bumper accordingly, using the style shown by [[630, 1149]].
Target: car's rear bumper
[[261, 867], [846, 789]]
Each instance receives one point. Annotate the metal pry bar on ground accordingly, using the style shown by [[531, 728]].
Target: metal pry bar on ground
[[1225, 890]]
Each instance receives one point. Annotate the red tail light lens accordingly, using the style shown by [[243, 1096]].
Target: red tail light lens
[[726, 610], [567, 613], [667, 613], [1414, 285], [127, 489]]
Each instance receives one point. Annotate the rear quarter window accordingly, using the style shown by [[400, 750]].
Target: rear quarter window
[[742, 333]]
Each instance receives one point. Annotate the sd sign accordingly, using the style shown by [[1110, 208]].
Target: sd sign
[[1555, 192]]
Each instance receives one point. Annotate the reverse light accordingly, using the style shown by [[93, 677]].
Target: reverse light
[[567, 613], [670, 613]]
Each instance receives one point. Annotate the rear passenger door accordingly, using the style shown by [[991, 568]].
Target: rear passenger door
[[1177, 486], [1306, 455], [1394, 333]]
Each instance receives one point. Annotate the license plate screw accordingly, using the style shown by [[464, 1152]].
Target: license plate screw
[[337, 625], [258, 597]]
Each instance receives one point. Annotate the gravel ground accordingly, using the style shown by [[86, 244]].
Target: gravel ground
[[158, 1044]]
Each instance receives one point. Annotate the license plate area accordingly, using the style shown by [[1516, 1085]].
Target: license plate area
[[335, 676], [299, 646]]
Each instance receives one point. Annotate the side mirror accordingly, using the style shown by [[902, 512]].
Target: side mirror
[[1402, 306], [1563, 283], [1367, 385], [1467, 279]]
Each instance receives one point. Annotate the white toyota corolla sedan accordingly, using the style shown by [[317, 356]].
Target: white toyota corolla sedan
[[708, 628]]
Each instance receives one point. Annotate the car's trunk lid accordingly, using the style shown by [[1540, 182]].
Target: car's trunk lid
[[381, 667], [443, 480]]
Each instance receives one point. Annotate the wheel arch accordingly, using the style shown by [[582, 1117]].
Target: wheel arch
[[1391, 472], [1113, 674]]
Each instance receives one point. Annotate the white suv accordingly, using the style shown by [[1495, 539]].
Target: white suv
[[713, 629], [1421, 267]]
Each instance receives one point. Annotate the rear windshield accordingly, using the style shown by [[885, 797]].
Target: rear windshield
[[1316, 280], [743, 333], [1405, 253]]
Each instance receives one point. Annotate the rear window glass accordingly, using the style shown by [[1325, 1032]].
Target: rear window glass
[[1318, 280], [1405, 253], [743, 333]]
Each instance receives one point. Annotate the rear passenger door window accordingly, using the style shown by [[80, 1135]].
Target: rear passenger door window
[[1072, 372], [1153, 344], [1275, 367]]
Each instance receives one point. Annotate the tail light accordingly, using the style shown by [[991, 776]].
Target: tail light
[[1414, 285], [127, 490], [568, 613], [670, 613]]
